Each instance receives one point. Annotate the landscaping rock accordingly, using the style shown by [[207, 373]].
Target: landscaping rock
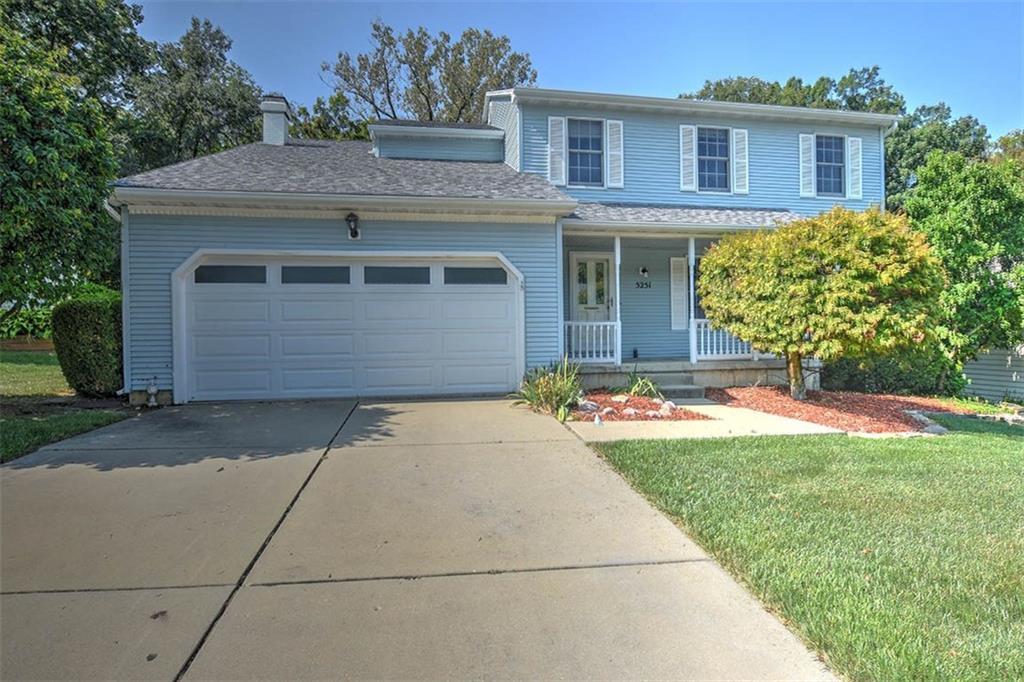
[[658, 401], [620, 398], [669, 404], [653, 414], [629, 412], [609, 410], [588, 406]]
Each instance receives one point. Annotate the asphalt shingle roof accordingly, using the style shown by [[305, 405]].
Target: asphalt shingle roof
[[323, 167], [688, 215]]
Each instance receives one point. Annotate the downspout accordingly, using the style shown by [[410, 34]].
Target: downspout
[[124, 219], [882, 134]]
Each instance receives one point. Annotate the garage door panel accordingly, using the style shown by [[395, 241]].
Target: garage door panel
[[231, 347], [230, 310], [318, 379], [500, 343], [316, 311], [232, 381], [294, 340], [407, 377], [481, 377], [341, 345]]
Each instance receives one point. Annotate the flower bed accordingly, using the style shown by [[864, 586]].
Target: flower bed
[[619, 407], [846, 410]]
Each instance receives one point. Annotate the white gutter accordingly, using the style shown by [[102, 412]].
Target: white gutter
[[672, 105], [654, 226], [114, 212], [171, 197], [435, 132]]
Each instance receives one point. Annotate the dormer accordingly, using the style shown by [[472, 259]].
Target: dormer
[[400, 139]]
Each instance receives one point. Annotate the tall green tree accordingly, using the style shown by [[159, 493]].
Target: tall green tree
[[859, 90], [973, 216], [329, 120], [1010, 146], [55, 162], [837, 285], [193, 101], [428, 77], [928, 129], [95, 40]]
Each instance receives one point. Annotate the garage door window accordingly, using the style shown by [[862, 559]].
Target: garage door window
[[475, 276], [315, 274], [384, 274], [231, 274]]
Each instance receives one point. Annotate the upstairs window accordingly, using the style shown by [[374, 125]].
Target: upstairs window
[[586, 152], [713, 159], [831, 163]]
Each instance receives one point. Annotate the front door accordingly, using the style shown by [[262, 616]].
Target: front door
[[593, 286]]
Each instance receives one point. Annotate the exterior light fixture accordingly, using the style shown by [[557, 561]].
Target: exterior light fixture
[[352, 220], [644, 272]]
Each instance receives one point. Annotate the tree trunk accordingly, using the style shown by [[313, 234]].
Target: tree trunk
[[795, 369]]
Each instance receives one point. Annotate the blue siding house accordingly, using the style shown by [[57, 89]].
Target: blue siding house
[[443, 259]]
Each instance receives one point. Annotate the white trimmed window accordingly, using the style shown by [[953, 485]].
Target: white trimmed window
[[830, 165], [713, 159], [586, 152]]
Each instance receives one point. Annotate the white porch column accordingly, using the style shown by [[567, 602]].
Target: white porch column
[[618, 298], [560, 239], [692, 261]]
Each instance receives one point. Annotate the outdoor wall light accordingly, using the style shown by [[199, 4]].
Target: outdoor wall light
[[644, 272], [352, 220]]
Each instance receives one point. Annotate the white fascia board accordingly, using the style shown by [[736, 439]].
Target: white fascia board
[[143, 195], [435, 132], [689, 106]]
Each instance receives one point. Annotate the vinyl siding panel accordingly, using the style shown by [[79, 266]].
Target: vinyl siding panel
[[651, 146], [440, 148], [505, 115], [159, 244], [997, 375]]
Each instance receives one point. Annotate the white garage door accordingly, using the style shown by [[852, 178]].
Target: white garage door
[[296, 328]]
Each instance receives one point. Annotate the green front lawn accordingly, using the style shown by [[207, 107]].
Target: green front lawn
[[894, 558], [27, 422]]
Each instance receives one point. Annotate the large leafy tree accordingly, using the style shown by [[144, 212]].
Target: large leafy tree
[[55, 162], [1010, 146], [973, 216], [859, 90], [926, 129], [329, 120], [96, 40], [839, 284], [193, 101], [428, 77]]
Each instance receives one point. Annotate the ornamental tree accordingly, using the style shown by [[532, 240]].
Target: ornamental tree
[[839, 284], [972, 213]]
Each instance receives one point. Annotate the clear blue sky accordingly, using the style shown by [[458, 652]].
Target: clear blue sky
[[970, 55]]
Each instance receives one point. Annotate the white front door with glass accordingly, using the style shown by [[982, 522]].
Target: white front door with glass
[[593, 287]]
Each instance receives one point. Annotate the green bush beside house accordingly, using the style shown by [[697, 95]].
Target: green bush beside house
[[87, 338]]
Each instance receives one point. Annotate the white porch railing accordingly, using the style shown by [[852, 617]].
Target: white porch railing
[[716, 344], [591, 341]]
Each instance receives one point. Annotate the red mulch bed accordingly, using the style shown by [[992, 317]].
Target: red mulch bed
[[846, 410], [640, 404]]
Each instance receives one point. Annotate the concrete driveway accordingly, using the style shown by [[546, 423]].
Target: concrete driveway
[[323, 540]]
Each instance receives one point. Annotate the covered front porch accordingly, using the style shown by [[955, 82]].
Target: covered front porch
[[630, 298]]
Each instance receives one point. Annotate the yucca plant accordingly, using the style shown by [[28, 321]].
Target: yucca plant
[[553, 390], [642, 386]]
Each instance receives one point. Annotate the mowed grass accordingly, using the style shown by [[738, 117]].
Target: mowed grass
[[893, 558], [27, 379]]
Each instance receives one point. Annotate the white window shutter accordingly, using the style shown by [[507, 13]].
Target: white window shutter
[[688, 158], [679, 284], [855, 168], [556, 150], [740, 162], [806, 165], [616, 166]]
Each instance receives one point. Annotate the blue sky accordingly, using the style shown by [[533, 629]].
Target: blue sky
[[970, 55]]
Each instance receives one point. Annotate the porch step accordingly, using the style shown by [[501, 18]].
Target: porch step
[[683, 391]]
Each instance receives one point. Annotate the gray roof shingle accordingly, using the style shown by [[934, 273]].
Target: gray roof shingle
[[323, 167], [686, 215]]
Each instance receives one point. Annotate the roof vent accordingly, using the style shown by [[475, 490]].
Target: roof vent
[[276, 116]]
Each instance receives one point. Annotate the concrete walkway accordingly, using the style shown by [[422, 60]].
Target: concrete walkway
[[396, 540], [726, 422]]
